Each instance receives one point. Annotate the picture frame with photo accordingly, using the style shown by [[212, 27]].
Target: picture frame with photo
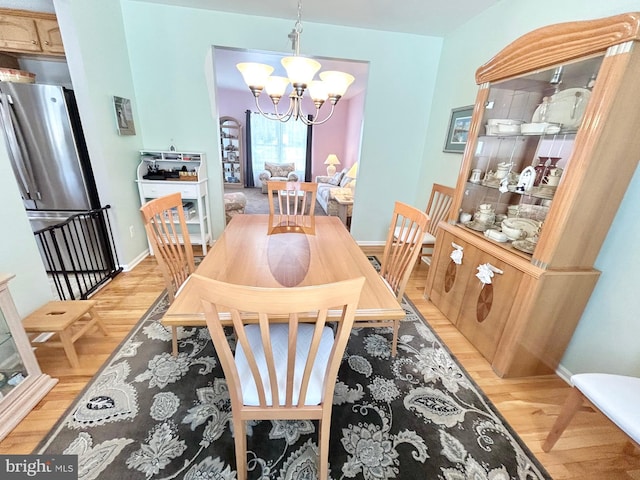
[[124, 116], [458, 131]]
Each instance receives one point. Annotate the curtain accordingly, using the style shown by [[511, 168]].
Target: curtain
[[308, 157], [277, 142], [248, 168]]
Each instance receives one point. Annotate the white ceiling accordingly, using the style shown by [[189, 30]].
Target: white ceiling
[[422, 17]]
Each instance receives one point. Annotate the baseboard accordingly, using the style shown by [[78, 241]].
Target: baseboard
[[130, 266]]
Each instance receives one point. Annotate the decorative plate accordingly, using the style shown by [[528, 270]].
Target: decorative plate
[[530, 227], [526, 246]]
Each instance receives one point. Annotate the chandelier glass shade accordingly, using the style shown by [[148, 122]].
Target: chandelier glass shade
[[300, 75]]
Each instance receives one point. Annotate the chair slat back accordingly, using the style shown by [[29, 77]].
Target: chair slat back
[[439, 206], [264, 314], [292, 204], [166, 228], [404, 244]]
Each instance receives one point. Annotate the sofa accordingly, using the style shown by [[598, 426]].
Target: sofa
[[328, 187], [277, 172]]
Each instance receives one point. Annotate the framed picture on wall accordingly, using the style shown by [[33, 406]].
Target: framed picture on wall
[[458, 130], [124, 116]]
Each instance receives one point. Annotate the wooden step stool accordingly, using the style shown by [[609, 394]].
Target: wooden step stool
[[70, 319]]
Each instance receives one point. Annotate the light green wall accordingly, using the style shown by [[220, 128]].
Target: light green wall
[[606, 338], [168, 46]]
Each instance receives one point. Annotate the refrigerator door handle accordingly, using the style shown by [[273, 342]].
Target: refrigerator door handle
[[26, 183]]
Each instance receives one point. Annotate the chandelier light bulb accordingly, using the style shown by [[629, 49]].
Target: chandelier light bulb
[[255, 75], [318, 92], [300, 70], [337, 82], [275, 87]]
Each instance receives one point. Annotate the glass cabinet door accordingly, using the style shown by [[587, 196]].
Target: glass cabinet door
[[12, 368], [524, 147]]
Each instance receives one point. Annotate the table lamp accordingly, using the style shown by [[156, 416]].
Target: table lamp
[[352, 173], [331, 161]]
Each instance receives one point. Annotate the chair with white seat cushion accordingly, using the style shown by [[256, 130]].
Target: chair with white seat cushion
[[286, 357], [616, 396], [437, 209]]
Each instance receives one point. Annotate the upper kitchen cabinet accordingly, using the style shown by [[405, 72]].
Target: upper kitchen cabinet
[[22, 31], [551, 148]]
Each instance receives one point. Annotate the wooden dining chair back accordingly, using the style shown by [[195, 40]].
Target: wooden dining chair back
[[616, 396], [403, 245], [292, 205], [437, 210], [166, 228], [286, 357]]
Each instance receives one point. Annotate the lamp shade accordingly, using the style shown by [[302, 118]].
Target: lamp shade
[[332, 160], [255, 74], [353, 171], [300, 70]]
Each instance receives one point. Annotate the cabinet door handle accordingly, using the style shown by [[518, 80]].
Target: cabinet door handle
[[486, 272], [46, 43], [456, 254]]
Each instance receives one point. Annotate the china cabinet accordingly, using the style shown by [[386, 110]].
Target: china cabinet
[[163, 172], [552, 146], [231, 147], [22, 383]]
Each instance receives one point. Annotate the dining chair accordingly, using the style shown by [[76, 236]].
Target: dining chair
[[166, 228], [616, 396], [437, 209], [403, 245], [286, 357], [292, 205]]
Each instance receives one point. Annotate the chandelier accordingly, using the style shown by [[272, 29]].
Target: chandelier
[[300, 72]]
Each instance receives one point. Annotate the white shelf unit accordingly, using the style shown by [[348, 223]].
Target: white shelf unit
[[232, 152], [161, 173]]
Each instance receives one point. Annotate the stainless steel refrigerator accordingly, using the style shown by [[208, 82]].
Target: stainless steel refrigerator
[[51, 164], [47, 150]]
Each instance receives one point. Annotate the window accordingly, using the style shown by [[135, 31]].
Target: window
[[278, 142]]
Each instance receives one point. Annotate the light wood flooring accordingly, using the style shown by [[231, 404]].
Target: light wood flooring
[[591, 448]]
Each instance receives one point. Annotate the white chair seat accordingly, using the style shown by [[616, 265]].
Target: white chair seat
[[428, 238], [279, 344], [614, 395]]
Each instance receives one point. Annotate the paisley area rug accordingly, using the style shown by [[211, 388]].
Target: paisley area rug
[[149, 415]]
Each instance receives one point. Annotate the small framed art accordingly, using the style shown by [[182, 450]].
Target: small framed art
[[458, 130], [124, 116]]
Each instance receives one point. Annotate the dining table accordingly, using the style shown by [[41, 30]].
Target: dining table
[[251, 252]]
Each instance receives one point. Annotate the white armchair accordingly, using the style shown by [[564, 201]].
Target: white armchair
[[277, 172]]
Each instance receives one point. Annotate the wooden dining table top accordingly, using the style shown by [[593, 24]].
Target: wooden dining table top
[[246, 254]]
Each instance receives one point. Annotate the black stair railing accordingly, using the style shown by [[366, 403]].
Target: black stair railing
[[79, 254]]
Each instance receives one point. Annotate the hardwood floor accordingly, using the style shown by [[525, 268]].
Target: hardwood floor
[[591, 448]]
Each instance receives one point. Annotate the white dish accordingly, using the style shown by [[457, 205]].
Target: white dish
[[526, 246], [495, 235], [503, 121], [565, 107], [508, 129], [539, 128], [520, 228]]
